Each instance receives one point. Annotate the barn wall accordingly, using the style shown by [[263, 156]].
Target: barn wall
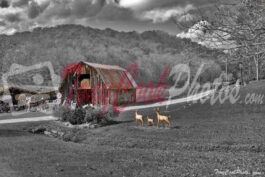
[[124, 96], [100, 95]]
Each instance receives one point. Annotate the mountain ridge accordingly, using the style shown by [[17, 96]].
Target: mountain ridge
[[64, 44]]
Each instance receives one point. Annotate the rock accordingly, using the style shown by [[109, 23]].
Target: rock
[[38, 130], [67, 124], [60, 134], [82, 126], [92, 126], [47, 133], [56, 133]]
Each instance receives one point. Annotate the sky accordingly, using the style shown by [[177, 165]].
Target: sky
[[121, 15]]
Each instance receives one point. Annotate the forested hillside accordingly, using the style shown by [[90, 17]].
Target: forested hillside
[[152, 50]]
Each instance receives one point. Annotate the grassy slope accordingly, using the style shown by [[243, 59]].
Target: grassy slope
[[203, 138]]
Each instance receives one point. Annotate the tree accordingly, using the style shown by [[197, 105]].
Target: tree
[[234, 28], [244, 25]]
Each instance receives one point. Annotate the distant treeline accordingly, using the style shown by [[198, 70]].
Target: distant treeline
[[151, 50]]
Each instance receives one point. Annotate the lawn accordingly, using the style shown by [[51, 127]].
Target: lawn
[[204, 140]]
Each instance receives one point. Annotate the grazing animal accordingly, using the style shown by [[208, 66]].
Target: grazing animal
[[161, 118], [138, 117], [150, 121]]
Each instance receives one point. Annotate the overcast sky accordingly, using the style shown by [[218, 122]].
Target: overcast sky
[[123, 15]]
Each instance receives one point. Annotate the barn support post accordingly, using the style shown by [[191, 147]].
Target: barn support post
[[108, 96], [134, 95]]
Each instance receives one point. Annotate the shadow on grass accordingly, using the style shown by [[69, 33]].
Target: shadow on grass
[[12, 133], [123, 122], [176, 127], [114, 122]]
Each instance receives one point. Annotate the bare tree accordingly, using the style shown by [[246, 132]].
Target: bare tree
[[236, 27], [243, 24]]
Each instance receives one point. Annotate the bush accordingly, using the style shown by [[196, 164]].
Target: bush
[[93, 114], [88, 115], [63, 113], [107, 116], [66, 114], [78, 116]]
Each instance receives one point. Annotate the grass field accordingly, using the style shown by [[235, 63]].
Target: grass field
[[204, 140]]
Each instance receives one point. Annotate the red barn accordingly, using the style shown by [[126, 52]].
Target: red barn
[[92, 83]]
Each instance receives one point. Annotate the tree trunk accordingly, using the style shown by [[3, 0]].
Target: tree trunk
[[257, 71], [256, 60]]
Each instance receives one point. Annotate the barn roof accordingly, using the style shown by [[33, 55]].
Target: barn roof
[[101, 66], [110, 74]]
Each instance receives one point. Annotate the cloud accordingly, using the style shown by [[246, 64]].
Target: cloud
[[2, 23], [27, 14], [10, 10], [84, 8], [132, 4], [37, 7], [10, 15], [75, 8], [7, 31], [215, 40], [20, 3], [24, 15], [4, 4], [114, 13], [13, 17], [165, 14]]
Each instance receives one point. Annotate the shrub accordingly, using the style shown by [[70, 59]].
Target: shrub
[[90, 114], [94, 115], [107, 115], [78, 116], [63, 113]]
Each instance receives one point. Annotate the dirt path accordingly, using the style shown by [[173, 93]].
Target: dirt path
[[34, 119], [172, 101]]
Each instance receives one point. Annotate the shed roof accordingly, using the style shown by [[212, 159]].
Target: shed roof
[[29, 89]]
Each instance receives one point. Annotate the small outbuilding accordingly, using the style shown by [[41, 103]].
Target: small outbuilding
[[17, 96], [91, 83]]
